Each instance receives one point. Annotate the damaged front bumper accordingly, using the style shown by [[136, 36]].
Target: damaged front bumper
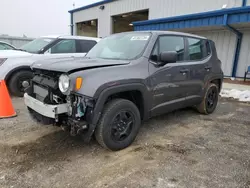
[[75, 115], [50, 111]]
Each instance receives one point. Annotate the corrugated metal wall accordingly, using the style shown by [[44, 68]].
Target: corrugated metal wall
[[225, 42], [244, 59], [157, 9]]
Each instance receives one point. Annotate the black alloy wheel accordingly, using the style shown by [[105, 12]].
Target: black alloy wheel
[[119, 124], [210, 100], [122, 125]]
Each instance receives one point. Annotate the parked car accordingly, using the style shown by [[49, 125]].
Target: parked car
[[6, 46], [15, 64], [126, 79]]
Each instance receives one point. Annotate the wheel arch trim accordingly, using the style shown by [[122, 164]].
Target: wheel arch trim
[[8, 76], [103, 96]]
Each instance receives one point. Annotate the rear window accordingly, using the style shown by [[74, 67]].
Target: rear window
[[85, 45], [198, 49]]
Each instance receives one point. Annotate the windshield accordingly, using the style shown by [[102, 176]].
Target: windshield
[[125, 46], [36, 45]]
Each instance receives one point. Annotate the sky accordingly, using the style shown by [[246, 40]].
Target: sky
[[34, 18]]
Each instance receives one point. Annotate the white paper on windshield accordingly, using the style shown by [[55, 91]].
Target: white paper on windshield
[[47, 40], [140, 38]]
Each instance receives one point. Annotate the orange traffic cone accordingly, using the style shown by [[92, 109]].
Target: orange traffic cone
[[6, 107]]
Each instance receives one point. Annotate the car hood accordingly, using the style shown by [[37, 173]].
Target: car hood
[[13, 53], [70, 65]]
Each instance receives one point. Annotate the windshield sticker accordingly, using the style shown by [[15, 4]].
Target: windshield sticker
[[140, 38], [47, 40]]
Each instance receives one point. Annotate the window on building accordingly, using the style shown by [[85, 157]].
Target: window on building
[[167, 44], [85, 45], [64, 46]]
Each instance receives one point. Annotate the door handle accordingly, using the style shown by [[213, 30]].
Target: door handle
[[184, 71], [208, 68]]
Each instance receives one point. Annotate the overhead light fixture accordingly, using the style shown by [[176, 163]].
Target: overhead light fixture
[[102, 7], [224, 6], [93, 22], [130, 24]]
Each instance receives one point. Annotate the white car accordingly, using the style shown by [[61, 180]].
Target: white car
[[15, 64], [6, 46]]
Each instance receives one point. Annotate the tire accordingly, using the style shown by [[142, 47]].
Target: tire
[[14, 83], [40, 118], [104, 132], [204, 107]]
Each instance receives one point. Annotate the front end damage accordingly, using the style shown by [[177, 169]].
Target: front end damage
[[79, 115], [73, 112]]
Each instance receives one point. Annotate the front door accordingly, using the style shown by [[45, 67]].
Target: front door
[[168, 83]]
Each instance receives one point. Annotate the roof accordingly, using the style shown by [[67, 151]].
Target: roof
[[176, 33], [91, 5], [71, 37], [211, 18], [159, 32]]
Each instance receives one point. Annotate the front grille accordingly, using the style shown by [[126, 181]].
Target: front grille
[[45, 87]]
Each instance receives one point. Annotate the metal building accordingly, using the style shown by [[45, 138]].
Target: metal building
[[227, 22]]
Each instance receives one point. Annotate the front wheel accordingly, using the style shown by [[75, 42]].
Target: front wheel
[[19, 81], [210, 100], [118, 125]]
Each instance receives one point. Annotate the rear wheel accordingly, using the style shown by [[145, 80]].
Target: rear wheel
[[119, 125], [19, 81], [210, 100]]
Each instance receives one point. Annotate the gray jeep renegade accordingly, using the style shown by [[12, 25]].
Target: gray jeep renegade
[[125, 79]]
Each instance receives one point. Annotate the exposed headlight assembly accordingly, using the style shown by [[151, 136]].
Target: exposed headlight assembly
[[2, 60], [64, 83]]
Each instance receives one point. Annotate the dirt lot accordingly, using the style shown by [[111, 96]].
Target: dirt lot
[[181, 149]]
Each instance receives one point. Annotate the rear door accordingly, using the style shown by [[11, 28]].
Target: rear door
[[169, 83], [70, 48], [63, 48], [83, 46], [200, 65]]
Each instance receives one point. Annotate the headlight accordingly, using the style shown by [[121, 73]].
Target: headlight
[[64, 83], [2, 60]]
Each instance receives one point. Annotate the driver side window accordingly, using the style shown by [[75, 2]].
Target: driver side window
[[5, 47], [63, 46], [167, 44]]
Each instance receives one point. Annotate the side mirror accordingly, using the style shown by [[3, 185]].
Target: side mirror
[[167, 57], [48, 51]]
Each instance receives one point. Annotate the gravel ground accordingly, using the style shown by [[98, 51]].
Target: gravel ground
[[181, 149]]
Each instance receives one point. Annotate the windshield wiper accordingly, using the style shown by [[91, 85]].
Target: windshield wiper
[[19, 49]]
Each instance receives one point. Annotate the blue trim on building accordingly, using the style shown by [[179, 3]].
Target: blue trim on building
[[91, 5], [204, 19], [239, 36], [237, 54], [244, 3], [71, 24]]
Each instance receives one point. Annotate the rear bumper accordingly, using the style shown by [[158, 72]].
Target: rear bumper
[[51, 111]]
